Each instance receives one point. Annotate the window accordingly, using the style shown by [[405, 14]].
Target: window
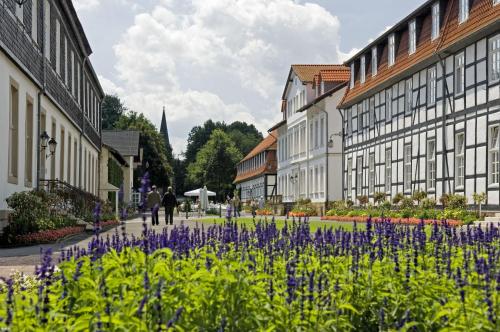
[[459, 73], [407, 168], [431, 86], [53, 159], [62, 154], [322, 132], [359, 176], [349, 178], [371, 110], [494, 57], [352, 76], [75, 163], [66, 76], [392, 50], [431, 164], [47, 29], [371, 173], [412, 29], [19, 12], [463, 10], [435, 21], [459, 160], [58, 47], [493, 148], [316, 133], [388, 104], [28, 150], [374, 61], [388, 170], [43, 126], [34, 20], [73, 74], [13, 133], [362, 70], [349, 121], [360, 118], [322, 180], [408, 96]]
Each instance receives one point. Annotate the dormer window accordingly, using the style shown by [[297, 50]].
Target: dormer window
[[412, 30], [463, 11], [352, 76], [435, 21], [392, 49], [362, 75], [374, 61]]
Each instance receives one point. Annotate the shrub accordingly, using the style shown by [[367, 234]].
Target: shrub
[[457, 202], [418, 196], [428, 203], [349, 203], [386, 205], [444, 200], [363, 200], [397, 198], [378, 197], [406, 203]]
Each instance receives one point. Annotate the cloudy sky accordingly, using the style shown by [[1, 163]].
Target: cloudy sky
[[221, 59]]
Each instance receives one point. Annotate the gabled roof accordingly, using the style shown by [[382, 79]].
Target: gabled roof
[[306, 72], [126, 142], [336, 75], [268, 143]]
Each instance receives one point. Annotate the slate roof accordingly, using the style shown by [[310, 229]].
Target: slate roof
[[126, 142]]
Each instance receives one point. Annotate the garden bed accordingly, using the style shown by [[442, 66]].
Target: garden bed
[[404, 221], [49, 236]]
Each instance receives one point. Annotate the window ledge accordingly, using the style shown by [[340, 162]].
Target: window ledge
[[493, 186], [459, 188]]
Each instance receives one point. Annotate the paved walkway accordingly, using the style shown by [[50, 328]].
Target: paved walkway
[[25, 259]]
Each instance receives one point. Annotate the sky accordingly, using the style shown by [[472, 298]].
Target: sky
[[224, 60]]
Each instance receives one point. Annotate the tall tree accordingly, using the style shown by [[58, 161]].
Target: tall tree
[[154, 152], [198, 137], [215, 163], [244, 136], [179, 167], [112, 109]]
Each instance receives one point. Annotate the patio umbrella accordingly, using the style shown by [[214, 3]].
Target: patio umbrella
[[197, 192]]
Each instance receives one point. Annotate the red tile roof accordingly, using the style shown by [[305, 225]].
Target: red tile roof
[[338, 75], [268, 143], [306, 73], [482, 15]]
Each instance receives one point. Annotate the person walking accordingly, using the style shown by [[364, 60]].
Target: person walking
[[169, 201], [253, 205], [154, 200], [237, 206]]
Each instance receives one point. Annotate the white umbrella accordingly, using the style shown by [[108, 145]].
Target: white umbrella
[[197, 192]]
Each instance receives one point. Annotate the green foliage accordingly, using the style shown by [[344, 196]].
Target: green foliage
[[397, 198], [418, 196], [378, 197], [428, 203], [153, 145], [479, 198], [115, 173], [304, 206], [215, 164], [457, 202], [55, 222], [363, 200], [386, 205], [27, 208], [112, 110], [406, 203], [444, 200]]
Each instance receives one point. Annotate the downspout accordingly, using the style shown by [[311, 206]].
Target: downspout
[[342, 152], [39, 100], [82, 89]]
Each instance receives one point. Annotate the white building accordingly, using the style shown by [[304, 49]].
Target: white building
[[310, 135], [422, 111], [47, 84]]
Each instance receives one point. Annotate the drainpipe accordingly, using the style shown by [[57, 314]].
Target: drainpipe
[[342, 152], [82, 87], [39, 100]]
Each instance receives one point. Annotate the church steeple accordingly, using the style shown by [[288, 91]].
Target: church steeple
[[164, 133]]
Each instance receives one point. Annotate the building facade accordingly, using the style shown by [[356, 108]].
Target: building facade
[[256, 173], [310, 135], [422, 111], [47, 84]]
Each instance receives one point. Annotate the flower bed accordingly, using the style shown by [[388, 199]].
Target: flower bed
[[379, 277], [264, 212], [49, 236], [405, 221]]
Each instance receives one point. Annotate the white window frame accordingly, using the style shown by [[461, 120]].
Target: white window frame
[[494, 58], [459, 160], [388, 104], [34, 20], [58, 47], [408, 96], [431, 85], [388, 170], [374, 61], [436, 21], [493, 155], [459, 73], [362, 70], [431, 164], [371, 112], [349, 177], [463, 11], [371, 173], [412, 31], [352, 76], [391, 55], [47, 29], [407, 168], [359, 176], [322, 132]]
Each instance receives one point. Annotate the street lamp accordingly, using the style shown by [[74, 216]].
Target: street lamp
[[330, 140], [46, 141]]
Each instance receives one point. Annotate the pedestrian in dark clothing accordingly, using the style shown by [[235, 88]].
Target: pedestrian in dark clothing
[[169, 201], [154, 204]]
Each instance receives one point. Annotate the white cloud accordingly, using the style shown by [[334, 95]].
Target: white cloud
[[220, 59], [85, 4]]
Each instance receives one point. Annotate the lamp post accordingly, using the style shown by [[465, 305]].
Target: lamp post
[[51, 143]]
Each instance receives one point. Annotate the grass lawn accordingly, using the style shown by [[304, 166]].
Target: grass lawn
[[280, 223]]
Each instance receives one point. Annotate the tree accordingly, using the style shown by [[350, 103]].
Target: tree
[[112, 110], [179, 166], [244, 136], [215, 164], [154, 152]]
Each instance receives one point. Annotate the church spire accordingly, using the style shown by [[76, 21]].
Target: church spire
[[164, 134]]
